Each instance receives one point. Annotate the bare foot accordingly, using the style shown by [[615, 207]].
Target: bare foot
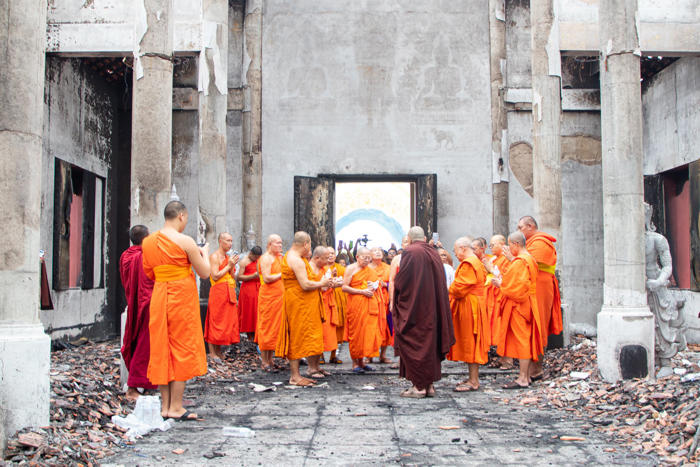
[[302, 382], [132, 394]]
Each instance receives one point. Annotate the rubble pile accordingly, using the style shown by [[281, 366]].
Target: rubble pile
[[649, 417], [85, 394]]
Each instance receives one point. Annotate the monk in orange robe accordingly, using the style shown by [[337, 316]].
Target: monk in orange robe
[[385, 326], [470, 319], [301, 329], [319, 263], [496, 264], [541, 246], [360, 283], [520, 329], [221, 325], [247, 274], [270, 300], [341, 303], [176, 340]]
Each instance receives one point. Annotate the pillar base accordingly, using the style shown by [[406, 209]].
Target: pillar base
[[25, 353], [625, 343]]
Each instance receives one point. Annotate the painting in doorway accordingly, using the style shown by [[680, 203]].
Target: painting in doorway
[[378, 213]]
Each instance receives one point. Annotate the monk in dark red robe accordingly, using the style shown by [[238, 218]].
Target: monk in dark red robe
[[423, 332], [138, 288]]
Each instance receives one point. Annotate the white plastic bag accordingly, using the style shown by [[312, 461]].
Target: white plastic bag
[[145, 418]]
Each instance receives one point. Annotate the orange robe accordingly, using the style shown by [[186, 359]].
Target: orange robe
[[469, 316], [385, 334], [341, 304], [301, 329], [330, 311], [221, 326], [248, 300], [541, 247], [493, 298], [175, 327], [520, 328], [362, 317], [270, 309]]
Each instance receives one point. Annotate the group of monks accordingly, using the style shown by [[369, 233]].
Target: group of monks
[[304, 303], [508, 299]]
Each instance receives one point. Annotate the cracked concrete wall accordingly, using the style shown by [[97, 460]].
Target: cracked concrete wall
[[81, 115], [382, 87]]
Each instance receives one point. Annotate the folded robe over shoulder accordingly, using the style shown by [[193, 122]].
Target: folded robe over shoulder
[[469, 316], [248, 300], [541, 247], [176, 340], [423, 332], [270, 309], [363, 317], [520, 328], [493, 298], [385, 331], [138, 288], [221, 326], [301, 331], [340, 303]]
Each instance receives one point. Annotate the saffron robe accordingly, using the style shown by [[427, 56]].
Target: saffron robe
[[363, 317], [175, 327], [493, 298], [248, 300], [341, 304], [301, 330], [270, 309], [138, 289], [385, 329], [520, 328], [469, 315], [423, 332], [221, 325], [330, 311], [541, 247]]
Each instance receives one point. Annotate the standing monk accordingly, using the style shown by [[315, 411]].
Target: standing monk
[[360, 283], [469, 316], [270, 300], [248, 297], [319, 266], [341, 304], [301, 331], [496, 265], [519, 332], [221, 326], [541, 246], [138, 289], [386, 324], [177, 343], [422, 319]]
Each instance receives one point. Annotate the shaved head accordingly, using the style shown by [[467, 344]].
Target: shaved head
[[482, 241], [301, 238], [320, 251], [273, 238], [222, 235], [517, 237], [173, 209], [137, 234], [416, 233], [498, 239], [464, 241], [363, 251], [528, 220]]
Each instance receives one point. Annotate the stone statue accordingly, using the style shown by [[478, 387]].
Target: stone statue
[[668, 315]]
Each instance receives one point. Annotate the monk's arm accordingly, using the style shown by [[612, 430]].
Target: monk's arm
[[247, 277], [463, 281], [198, 257], [392, 274], [516, 281], [266, 269], [305, 283]]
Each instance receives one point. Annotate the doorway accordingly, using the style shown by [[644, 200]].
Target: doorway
[[315, 206]]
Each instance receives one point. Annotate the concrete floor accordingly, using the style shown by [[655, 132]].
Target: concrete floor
[[345, 423]]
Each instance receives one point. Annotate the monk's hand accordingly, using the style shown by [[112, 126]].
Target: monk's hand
[[367, 292], [507, 253], [488, 264], [496, 281], [326, 282], [232, 260]]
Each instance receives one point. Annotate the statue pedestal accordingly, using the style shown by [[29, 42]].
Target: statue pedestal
[[625, 343]]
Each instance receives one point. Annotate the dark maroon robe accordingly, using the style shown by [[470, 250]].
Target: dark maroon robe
[[423, 332], [138, 288]]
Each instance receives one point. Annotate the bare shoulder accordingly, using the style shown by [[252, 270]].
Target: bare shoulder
[[350, 270], [266, 258], [183, 241]]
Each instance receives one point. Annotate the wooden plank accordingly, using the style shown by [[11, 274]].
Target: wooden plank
[[87, 257], [314, 208], [426, 203], [63, 194]]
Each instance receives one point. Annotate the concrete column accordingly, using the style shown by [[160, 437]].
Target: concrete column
[[213, 87], [546, 115], [151, 115], [499, 115], [252, 121], [24, 348], [625, 319]]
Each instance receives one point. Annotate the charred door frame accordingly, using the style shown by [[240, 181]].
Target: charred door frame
[[319, 220]]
